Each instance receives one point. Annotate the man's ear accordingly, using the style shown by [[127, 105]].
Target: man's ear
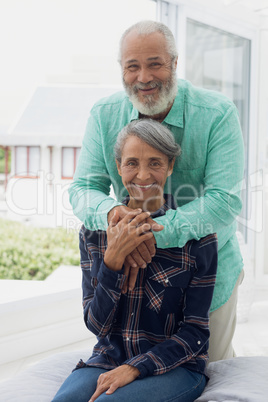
[[118, 167], [176, 63]]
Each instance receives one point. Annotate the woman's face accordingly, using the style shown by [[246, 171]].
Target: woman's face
[[144, 171]]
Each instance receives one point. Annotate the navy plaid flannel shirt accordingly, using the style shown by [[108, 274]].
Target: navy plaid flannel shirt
[[164, 322]]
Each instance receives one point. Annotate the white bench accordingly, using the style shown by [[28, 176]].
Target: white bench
[[239, 379]]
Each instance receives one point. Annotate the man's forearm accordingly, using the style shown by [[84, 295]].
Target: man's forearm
[[197, 219], [91, 206]]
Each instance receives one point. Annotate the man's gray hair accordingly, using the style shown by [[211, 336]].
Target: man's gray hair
[[147, 28], [153, 133]]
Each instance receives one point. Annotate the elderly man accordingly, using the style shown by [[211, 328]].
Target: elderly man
[[206, 178]]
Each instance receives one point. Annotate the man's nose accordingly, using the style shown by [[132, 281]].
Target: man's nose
[[145, 75]]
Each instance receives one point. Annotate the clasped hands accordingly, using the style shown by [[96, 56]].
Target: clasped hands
[[130, 242]]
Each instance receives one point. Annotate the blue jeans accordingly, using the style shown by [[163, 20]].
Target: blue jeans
[[178, 385]]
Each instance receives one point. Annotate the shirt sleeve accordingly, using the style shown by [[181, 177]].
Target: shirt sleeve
[[191, 339], [101, 289], [89, 191], [221, 203]]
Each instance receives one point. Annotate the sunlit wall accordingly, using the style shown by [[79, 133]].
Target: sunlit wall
[[60, 41]]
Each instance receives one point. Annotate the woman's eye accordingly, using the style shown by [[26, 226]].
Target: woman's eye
[[131, 163], [155, 164]]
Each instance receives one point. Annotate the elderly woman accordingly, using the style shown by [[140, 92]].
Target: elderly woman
[[152, 340]]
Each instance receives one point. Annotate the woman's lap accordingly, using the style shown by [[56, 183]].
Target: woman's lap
[[178, 385]]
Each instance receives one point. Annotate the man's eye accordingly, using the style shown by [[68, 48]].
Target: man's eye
[[155, 65], [133, 67]]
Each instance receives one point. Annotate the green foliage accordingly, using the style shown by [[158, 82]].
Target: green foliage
[[2, 160], [28, 252]]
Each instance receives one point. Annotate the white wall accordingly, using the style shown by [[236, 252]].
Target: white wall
[[60, 41]]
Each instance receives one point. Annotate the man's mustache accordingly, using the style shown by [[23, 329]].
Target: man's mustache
[[149, 85]]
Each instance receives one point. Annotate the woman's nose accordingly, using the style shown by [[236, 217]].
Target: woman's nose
[[143, 174]]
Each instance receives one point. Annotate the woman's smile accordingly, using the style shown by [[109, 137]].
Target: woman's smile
[[143, 187], [144, 171]]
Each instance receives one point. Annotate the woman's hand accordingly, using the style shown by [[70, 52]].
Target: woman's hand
[[116, 378], [136, 260], [124, 236], [142, 255]]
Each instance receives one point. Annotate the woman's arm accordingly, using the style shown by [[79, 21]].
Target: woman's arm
[[103, 279], [191, 339]]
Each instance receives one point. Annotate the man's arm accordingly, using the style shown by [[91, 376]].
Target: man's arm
[[89, 191], [213, 212], [216, 210]]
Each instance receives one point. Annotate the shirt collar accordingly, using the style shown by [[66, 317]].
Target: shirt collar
[[169, 204], [175, 115], [134, 114]]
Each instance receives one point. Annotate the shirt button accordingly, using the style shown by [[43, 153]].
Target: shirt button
[[127, 339], [198, 342], [166, 244], [166, 280], [132, 314]]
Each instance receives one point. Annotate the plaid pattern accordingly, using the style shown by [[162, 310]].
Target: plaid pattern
[[163, 322]]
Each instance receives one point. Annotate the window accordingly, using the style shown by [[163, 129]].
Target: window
[[69, 161], [220, 60], [27, 161]]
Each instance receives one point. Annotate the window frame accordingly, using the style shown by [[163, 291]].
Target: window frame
[[75, 149], [27, 174]]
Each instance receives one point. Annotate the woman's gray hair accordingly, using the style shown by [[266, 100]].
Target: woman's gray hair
[[153, 133], [147, 28]]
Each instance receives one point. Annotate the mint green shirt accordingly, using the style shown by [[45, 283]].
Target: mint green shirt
[[205, 183]]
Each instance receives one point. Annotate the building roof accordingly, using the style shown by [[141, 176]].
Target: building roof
[[55, 116]]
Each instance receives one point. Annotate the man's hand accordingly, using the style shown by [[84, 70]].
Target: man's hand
[[122, 211], [113, 379]]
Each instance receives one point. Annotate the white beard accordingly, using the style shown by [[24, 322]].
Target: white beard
[[150, 106]]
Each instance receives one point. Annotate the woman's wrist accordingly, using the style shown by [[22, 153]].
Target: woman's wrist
[[113, 262]]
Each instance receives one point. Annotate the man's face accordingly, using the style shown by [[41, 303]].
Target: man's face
[[149, 76]]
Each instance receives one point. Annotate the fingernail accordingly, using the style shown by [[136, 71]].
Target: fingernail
[[144, 266]]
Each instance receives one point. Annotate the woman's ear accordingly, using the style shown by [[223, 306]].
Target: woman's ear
[[118, 167], [170, 168]]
